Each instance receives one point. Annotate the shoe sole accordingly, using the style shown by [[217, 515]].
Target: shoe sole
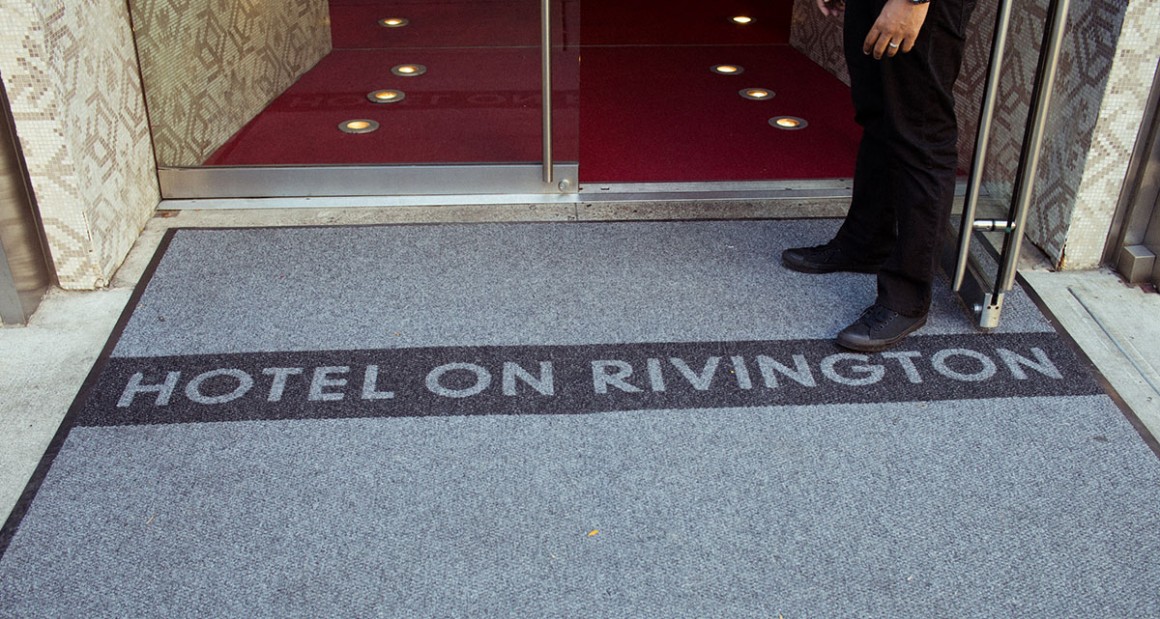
[[879, 345], [807, 267]]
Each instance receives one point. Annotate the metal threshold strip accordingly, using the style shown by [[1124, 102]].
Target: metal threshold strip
[[839, 188], [227, 182], [370, 187]]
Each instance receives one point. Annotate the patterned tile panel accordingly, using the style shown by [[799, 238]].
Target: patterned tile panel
[[973, 77], [71, 73], [210, 65], [819, 38]]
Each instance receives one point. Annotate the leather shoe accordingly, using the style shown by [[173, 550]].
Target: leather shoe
[[878, 328], [826, 258]]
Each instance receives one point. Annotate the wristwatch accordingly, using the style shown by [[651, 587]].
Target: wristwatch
[[919, 1]]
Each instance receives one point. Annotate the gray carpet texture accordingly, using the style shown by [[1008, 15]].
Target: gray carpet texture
[[573, 420]]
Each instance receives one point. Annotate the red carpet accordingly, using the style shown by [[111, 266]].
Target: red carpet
[[675, 120], [647, 109], [688, 22], [446, 116], [447, 23]]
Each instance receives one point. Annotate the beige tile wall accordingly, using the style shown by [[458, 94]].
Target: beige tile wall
[[818, 37], [1130, 72], [210, 66], [72, 79]]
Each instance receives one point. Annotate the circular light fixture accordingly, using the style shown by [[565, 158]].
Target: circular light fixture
[[741, 19], [394, 22], [756, 94], [408, 70], [387, 96], [789, 123], [360, 125], [727, 69]]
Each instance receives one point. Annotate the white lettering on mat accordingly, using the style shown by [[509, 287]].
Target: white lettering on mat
[[679, 376]]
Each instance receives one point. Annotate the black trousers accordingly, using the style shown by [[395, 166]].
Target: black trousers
[[904, 179]]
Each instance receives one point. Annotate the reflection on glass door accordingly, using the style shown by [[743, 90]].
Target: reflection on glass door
[[360, 96]]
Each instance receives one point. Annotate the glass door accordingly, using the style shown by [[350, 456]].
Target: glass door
[[362, 97]]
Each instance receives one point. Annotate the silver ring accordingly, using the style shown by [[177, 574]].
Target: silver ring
[[892, 44]]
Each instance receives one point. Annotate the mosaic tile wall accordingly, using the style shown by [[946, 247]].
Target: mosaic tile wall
[[211, 65], [818, 37], [1130, 73], [71, 74], [1098, 104]]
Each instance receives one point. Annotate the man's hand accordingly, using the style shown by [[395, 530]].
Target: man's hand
[[896, 29], [831, 8]]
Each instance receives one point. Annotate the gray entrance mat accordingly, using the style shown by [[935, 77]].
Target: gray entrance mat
[[573, 420]]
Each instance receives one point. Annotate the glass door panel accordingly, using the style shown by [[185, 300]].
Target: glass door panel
[[701, 85], [349, 97]]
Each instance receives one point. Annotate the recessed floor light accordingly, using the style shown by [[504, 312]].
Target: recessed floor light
[[387, 96], [741, 19], [408, 70], [756, 94], [789, 123], [727, 69], [394, 22], [360, 125]]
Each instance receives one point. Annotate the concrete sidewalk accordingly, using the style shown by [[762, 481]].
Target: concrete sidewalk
[[43, 365]]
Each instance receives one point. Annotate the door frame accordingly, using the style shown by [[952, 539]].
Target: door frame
[[367, 180], [1134, 238]]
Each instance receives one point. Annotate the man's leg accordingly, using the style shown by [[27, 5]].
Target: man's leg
[[867, 235], [917, 134], [869, 230], [920, 132]]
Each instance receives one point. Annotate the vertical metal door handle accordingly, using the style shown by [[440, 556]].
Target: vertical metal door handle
[[546, 83], [983, 137], [1053, 31]]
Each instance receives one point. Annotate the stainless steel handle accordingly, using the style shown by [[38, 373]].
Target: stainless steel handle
[[1053, 31], [982, 139], [546, 83]]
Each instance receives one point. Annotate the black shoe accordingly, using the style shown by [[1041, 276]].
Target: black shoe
[[824, 259], [878, 328]]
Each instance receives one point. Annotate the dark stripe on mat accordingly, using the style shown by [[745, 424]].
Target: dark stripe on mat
[[577, 379]]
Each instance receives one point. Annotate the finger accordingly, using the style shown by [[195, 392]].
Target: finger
[[892, 48], [881, 46], [824, 7], [870, 42], [908, 44]]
